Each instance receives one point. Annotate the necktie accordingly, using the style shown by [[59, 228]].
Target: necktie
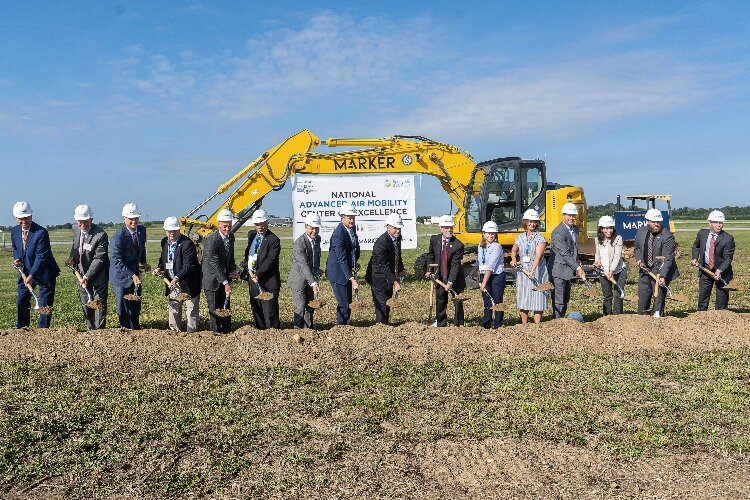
[[650, 250], [135, 241], [444, 259], [25, 238], [711, 250], [315, 257], [226, 244], [258, 241], [80, 254]]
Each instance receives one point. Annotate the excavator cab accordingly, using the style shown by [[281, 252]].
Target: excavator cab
[[502, 190]]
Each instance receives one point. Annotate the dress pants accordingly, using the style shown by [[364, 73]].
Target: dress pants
[[612, 303], [95, 319], [215, 299], [176, 322], [645, 294], [265, 312], [303, 314], [45, 293], [441, 308], [343, 294], [496, 288], [560, 297], [129, 311], [379, 297], [705, 285]]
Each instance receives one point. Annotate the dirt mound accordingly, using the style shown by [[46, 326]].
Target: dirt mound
[[703, 331]]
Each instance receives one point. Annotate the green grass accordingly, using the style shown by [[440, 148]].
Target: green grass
[[154, 314], [181, 431]]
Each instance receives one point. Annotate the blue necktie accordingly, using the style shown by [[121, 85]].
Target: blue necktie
[[258, 241]]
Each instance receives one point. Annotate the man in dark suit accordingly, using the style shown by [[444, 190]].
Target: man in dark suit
[[219, 268], [652, 241], [128, 254], [384, 267], [89, 255], [262, 259], [714, 250], [304, 272], [563, 260], [178, 263], [343, 254], [447, 252], [33, 254]]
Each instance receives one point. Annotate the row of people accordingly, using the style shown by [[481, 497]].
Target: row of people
[[97, 265]]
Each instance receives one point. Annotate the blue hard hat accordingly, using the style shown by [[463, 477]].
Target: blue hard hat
[[576, 316]]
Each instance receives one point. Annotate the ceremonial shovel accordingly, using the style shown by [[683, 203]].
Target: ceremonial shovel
[[721, 281], [394, 301], [175, 292], [617, 288], [316, 303], [226, 311], [494, 307], [455, 296], [37, 308], [670, 295], [91, 304], [356, 305], [135, 296], [538, 287], [432, 294]]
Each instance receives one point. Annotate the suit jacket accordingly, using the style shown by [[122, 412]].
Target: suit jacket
[[342, 256], [616, 263], [455, 254], [664, 245], [301, 273], [124, 257], [382, 268], [184, 265], [563, 253], [95, 257], [269, 277], [723, 252], [37, 258], [218, 263]]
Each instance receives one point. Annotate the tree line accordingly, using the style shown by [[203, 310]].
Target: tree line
[[685, 213]]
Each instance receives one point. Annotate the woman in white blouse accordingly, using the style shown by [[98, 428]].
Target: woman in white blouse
[[609, 259], [491, 268]]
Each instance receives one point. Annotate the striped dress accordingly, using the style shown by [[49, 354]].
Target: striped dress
[[526, 298]]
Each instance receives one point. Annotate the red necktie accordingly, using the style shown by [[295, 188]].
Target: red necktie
[[711, 250], [444, 259], [135, 241]]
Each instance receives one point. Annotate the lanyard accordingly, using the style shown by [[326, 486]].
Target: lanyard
[[483, 258]]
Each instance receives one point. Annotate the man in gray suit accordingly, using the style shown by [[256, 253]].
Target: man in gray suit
[[219, 269], [89, 255], [563, 261], [305, 271], [652, 241]]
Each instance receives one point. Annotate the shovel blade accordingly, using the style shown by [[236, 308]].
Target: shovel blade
[[132, 297], [679, 297], [393, 302], [264, 296], [223, 313], [499, 308], [544, 287]]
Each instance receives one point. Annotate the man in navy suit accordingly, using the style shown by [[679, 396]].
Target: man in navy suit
[[343, 254], [33, 254], [128, 251], [714, 250], [385, 267], [262, 260]]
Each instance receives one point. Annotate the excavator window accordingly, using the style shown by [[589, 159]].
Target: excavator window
[[501, 197]]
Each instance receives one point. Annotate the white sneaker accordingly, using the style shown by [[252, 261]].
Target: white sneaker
[[657, 314]]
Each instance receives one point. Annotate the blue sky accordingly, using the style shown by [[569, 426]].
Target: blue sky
[[160, 102]]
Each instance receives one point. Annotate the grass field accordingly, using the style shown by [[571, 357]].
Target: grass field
[[154, 315], [136, 416]]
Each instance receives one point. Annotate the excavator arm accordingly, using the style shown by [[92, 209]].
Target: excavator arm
[[399, 154]]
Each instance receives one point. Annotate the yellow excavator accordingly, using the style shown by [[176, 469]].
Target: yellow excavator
[[499, 190]]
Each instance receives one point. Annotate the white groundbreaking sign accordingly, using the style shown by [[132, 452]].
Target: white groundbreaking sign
[[375, 196]]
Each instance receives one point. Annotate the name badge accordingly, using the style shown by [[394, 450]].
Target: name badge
[[87, 246], [169, 266], [526, 259]]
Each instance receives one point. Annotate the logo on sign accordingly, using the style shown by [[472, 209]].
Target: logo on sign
[[306, 187], [406, 159]]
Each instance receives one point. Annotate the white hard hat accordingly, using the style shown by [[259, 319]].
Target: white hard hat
[[489, 227], [171, 224], [606, 221], [130, 210], [531, 214], [22, 209], [259, 216], [348, 209], [83, 212], [570, 209], [394, 220], [225, 215], [312, 219], [654, 215], [446, 221], [716, 216]]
